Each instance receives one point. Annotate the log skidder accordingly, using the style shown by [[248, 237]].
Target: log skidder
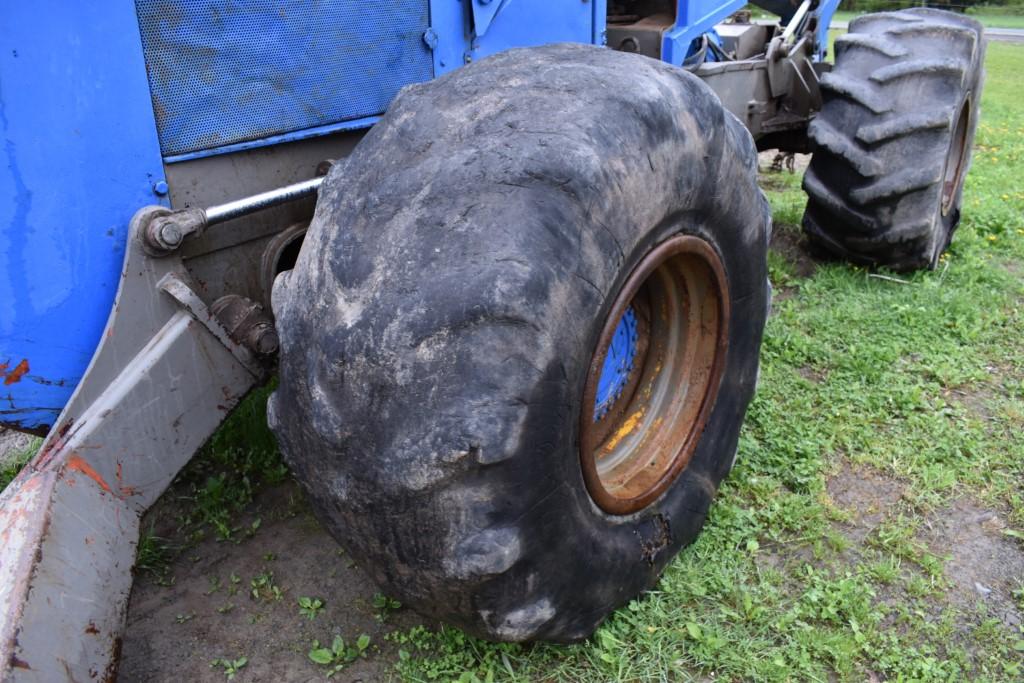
[[892, 142], [522, 334]]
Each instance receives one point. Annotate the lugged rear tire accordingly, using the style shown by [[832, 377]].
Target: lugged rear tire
[[439, 331], [893, 140]]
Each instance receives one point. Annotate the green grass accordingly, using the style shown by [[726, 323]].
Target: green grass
[[919, 381], [237, 460], [13, 464]]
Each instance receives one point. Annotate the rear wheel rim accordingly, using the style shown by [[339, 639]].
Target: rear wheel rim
[[956, 158], [633, 447]]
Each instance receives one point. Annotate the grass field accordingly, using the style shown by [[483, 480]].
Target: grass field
[[873, 528]]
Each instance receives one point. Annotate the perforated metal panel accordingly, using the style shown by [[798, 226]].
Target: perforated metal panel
[[222, 72]]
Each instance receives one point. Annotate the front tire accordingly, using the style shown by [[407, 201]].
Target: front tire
[[892, 142], [445, 329]]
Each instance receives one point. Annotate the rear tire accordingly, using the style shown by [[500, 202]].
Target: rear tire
[[441, 326], [892, 142]]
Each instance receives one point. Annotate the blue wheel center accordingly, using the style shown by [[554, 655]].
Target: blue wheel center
[[618, 363]]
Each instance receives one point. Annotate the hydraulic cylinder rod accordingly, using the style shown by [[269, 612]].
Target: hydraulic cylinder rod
[[167, 230], [257, 202]]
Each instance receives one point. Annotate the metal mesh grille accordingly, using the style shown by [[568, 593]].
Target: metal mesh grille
[[222, 72]]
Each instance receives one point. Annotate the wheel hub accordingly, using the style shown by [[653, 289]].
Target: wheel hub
[[654, 374]]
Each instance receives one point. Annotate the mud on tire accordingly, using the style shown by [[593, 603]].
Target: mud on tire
[[892, 142], [440, 322]]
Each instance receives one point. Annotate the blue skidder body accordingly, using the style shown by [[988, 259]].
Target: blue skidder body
[[126, 92], [506, 257]]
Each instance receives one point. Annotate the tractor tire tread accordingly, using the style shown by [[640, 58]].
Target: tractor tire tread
[[892, 99]]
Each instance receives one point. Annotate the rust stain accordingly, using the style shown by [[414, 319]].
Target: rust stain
[[17, 373], [91, 629], [125, 490], [78, 464], [115, 658], [19, 663], [51, 448]]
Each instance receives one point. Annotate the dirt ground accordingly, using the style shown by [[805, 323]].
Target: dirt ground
[[982, 564], [180, 623]]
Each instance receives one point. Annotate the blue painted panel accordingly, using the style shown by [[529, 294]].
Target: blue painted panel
[[515, 23], [528, 23], [694, 17], [223, 72], [78, 156]]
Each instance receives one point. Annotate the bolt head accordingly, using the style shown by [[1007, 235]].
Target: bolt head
[[170, 235], [160, 188]]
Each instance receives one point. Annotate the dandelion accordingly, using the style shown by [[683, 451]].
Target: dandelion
[[992, 238]]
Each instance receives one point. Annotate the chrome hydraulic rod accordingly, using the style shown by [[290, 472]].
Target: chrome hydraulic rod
[[167, 229], [263, 200]]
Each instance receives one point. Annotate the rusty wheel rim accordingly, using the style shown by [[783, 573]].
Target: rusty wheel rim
[[956, 158], [644, 441]]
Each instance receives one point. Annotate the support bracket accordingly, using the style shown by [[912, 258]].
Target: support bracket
[[163, 378]]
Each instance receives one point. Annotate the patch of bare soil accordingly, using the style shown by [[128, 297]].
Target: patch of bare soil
[[789, 243], [1013, 266], [812, 374], [866, 495], [174, 632], [984, 565]]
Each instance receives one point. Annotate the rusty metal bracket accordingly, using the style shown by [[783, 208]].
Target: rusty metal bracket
[[165, 375]]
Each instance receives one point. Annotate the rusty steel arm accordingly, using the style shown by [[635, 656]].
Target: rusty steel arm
[[163, 378]]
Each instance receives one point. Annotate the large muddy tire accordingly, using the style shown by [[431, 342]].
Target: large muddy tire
[[443, 396], [892, 142]]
